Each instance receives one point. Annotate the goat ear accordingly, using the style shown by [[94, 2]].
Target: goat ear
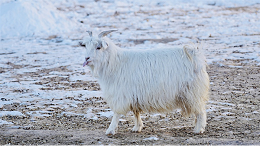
[[104, 44]]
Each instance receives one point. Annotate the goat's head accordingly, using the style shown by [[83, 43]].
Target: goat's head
[[96, 48]]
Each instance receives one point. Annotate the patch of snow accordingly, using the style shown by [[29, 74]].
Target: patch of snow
[[107, 114], [80, 77], [39, 114], [226, 103], [2, 103], [90, 114], [11, 113], [122, 120], [2, 122], [151, 138]]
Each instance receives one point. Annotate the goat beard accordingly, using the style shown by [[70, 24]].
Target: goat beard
[[94, 70], [98, 70]]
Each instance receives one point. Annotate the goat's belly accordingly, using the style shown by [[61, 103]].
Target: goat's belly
[[158, 105]]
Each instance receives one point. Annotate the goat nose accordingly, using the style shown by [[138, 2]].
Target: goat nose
[[87, 58]]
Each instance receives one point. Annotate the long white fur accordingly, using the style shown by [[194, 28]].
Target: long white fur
[[150, 80]]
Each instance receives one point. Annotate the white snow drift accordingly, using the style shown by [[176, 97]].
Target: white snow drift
[[23, 18]]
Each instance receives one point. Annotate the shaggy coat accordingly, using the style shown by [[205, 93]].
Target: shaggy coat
[[150, 80]]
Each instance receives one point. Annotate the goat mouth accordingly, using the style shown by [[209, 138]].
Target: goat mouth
[[86, 63]]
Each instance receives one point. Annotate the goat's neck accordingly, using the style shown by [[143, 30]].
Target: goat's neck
[[108, 68]]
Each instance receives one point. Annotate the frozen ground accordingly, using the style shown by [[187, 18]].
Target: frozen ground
[[47, 97]]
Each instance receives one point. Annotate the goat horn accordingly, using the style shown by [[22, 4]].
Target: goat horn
[[90, 33], [104, 33]]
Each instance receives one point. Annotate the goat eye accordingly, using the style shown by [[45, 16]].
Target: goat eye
[[98, 48]]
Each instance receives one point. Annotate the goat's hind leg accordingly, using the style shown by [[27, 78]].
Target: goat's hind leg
[[113, 126], [200, 122], [138, 122]]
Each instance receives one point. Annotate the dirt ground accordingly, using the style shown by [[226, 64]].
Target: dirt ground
[[233, 116]]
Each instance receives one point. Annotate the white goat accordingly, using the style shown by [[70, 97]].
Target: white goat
[[149, 80]]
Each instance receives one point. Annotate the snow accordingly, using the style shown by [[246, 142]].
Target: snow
[[107, 114], [151, 138], [2, 122], [229, 3], [23, 18], [11, 113], [37, 35]]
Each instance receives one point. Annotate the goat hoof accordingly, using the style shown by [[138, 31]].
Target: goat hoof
[[110, 133], [199, 131], [136, 129]]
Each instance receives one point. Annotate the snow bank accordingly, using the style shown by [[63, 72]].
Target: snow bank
[[24, 18]]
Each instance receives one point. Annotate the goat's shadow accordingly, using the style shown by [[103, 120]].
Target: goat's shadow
[[174, 132]]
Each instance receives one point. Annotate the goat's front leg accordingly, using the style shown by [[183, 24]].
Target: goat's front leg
[[113, 126], [138, 122]]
